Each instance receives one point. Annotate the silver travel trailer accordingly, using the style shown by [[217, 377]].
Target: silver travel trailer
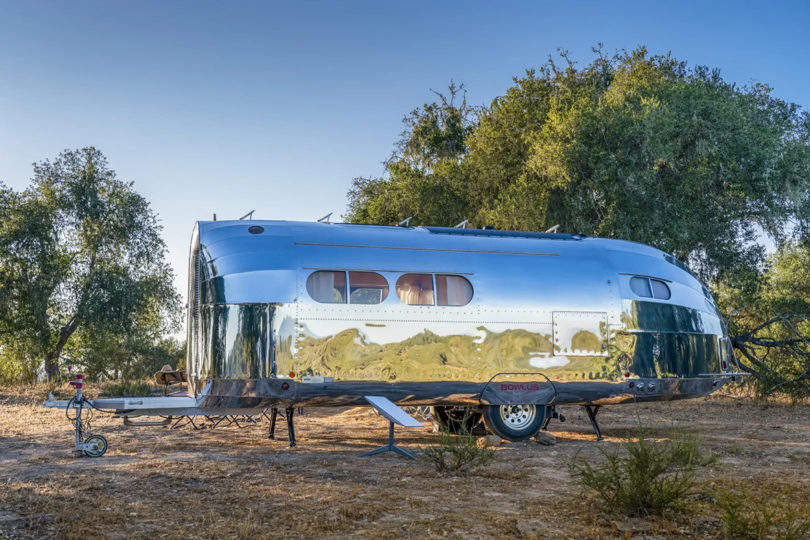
[[480, 324]]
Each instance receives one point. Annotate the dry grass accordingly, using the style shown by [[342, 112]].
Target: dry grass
[[232, 483]]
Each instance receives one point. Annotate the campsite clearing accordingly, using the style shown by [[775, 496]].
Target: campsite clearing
[[235, 483]]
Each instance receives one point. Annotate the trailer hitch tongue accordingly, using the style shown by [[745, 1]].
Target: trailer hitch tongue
[[92, 445]]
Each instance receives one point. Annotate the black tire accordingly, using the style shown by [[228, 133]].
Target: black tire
[[99, 446], [458, 419], [514, 422]]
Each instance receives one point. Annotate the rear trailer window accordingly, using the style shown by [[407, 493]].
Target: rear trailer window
[[660, 290], [650, 288]]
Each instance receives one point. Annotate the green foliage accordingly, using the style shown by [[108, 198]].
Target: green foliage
[[10, 366], [80, 255], [642, 477], [771, 322], [619, 148], [17, 364], [127, 388], [744, 519], [133, 356], [686, 451], [424, 175], [458, 453]]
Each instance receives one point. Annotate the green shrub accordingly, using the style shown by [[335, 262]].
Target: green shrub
[[687, 452], [126, 388], [641, 477], [744, 519], [17, 364], [10, 369], [459, 452]]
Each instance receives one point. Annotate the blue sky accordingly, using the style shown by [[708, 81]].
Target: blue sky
[[229, 106]]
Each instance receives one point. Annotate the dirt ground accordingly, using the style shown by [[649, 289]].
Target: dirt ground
[[235, 483]]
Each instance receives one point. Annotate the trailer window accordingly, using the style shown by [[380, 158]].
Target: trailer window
[[416, 289], [327, 286], [453, 290], [650, 288], [367, 288], [641, 286], [660, 290]]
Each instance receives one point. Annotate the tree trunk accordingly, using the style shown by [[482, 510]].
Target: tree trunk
[[51, 366], [52, 358]]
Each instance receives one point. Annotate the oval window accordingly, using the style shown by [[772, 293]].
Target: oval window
[[641, 286], [416, 289], [367, 288], [327, 286], [660, 289], [453, 290]]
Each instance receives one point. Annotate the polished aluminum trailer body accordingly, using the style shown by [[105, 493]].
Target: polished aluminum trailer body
[[552, 318]]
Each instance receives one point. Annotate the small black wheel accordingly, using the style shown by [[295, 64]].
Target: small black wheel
[[514, 422], [457, 419], [99, 446]]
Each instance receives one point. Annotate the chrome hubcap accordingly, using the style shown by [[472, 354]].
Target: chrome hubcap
[[518, 416]]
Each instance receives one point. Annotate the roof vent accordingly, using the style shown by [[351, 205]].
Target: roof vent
[[255, 229]]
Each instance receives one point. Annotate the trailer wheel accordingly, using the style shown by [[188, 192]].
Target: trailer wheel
[[457, 419], [514, 422], [99, 446]]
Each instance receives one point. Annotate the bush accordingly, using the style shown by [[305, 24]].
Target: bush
[[458, 453], [10, 369], [642, 477], [747, 520], [687, 452], [126, 388], [17, 365]]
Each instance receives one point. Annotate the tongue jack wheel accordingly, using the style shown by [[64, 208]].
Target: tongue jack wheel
[[95, 446]]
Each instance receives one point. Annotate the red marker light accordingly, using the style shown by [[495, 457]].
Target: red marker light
[[627, 375]]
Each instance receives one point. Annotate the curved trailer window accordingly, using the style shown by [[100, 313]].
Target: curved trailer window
[[329, 287], [453, 290], [367, 288], [650, 288], [418, 290]]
